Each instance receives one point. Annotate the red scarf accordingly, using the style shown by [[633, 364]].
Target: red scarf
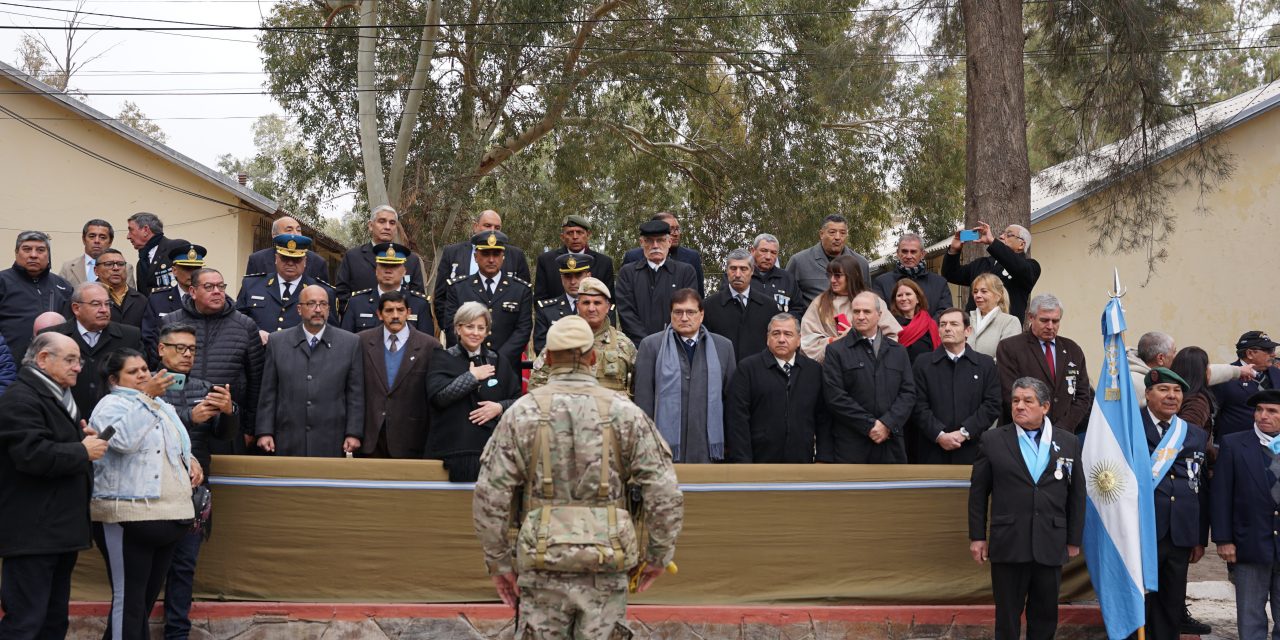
[[920, 325]]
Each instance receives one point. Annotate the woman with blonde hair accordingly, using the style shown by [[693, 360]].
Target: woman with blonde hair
[[991, 321], [830, 316]]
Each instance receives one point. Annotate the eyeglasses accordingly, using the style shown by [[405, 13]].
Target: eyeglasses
[[72, 360], [182, 349], [97, 304], [211, 287], [685, 313], [115, 264], [1013, 235], [314, 304]]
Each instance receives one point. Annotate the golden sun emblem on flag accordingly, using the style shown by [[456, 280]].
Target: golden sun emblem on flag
[[1106, 481]]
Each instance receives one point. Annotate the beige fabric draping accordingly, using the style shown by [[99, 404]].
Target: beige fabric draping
[[324, 530]]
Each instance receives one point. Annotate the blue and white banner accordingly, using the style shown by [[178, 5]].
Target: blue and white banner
[[1119, 529]]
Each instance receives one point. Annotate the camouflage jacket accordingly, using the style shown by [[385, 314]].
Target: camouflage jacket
[[575, 453], [615, 362]]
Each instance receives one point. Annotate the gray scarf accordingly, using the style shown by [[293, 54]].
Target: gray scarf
[[669, 401]]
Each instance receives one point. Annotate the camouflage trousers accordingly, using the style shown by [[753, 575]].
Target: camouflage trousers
[[556, 606]]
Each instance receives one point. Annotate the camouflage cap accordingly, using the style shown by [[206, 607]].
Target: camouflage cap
[[593, 287], [570, 333]]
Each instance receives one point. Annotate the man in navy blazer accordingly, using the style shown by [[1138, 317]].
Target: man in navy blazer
[[1178, 454], [1245, 514], [1234, 413]]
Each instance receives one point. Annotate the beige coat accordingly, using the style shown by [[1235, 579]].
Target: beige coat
[[814, 337], [73, 271], [998, 328]]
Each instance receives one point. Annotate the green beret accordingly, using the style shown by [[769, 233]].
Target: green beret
[[1161, 374]]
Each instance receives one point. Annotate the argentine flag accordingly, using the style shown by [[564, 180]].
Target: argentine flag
[[1119, 525]]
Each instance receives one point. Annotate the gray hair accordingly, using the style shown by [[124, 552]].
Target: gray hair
[[1025, 235], [470, 311], [77, 295], [32, 236], [41, 343], [1043, 302], [383, 207], [1154, 344], [784, 317], [765, 237], [1034, 385], [275, 225], [148, 220], [911, 237], [739, 254]]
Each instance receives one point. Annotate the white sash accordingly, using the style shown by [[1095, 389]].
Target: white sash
[[1167, 451]]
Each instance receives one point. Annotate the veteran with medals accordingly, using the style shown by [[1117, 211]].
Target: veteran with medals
[[389, 269], [1177, 459], [1027, 470]]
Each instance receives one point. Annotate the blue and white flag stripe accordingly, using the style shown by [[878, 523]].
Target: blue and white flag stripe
[[1119, 535]]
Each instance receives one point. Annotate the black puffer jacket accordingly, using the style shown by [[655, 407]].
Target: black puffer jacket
[[229, 352]]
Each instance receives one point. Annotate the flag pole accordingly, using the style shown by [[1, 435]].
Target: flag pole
[[1142, 632]]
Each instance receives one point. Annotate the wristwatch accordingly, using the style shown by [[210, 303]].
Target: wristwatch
[[964, 432]]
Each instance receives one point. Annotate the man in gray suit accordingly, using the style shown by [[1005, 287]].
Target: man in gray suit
[[810, 266], [312, 397], [682, 379]]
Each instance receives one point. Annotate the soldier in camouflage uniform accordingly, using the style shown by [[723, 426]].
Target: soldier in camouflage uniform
[[615, 353], [570, 449]]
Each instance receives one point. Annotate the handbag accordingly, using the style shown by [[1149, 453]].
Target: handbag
[[202, 502]]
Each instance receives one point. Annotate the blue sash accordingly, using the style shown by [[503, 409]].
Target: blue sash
[[1036, 457], [1166, 453]]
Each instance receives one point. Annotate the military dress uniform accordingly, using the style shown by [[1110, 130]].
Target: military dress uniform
[[362, 308], [511, 303], [552, 309], [166, 300], [566, 428], [262, 299]]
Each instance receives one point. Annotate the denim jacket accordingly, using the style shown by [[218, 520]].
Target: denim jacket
[[148, 437]]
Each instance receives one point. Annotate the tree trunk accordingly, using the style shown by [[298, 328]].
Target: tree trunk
[[998, 178], [370, 144]]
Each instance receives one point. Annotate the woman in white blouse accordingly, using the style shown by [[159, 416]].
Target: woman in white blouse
[[991, 321]]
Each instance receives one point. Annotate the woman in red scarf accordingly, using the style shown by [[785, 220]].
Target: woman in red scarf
[[919, 331]]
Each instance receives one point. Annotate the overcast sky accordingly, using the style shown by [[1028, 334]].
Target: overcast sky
[[200, 126]]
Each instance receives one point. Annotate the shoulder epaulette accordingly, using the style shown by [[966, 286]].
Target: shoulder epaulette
[[542, 304], [253, 275], [161, 289], [416, 293], [518, 279], [321, 281], [361, 292], [456, 279]]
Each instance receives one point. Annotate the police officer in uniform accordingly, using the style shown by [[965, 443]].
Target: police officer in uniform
[[389, 268], [615, 352], [271, 299], [509, 298], [573, 268], [585, 439], [165, 300]]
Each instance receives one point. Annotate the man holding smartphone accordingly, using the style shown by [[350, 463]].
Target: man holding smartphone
[[1008, 258], [208, 413]]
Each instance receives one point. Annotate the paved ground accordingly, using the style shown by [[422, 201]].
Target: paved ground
[[1211, 597]]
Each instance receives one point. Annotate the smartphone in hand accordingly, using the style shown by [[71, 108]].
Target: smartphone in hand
[[108, 433], [969, 235]]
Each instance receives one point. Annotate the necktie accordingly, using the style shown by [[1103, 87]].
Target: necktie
[[690, 343], [1162, 427], [185, 299], [1048, 359], [488, 285], [742, 300], [89, 275], [786, 369], [395, 346], [91, 339], [288, 290], [314, 341]]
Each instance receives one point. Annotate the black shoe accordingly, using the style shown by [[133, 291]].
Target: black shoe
[[1191, 626]]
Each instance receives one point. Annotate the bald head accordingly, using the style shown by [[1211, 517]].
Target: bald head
[[488, 220], [313, 304], [285, 224], [46, 320]]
